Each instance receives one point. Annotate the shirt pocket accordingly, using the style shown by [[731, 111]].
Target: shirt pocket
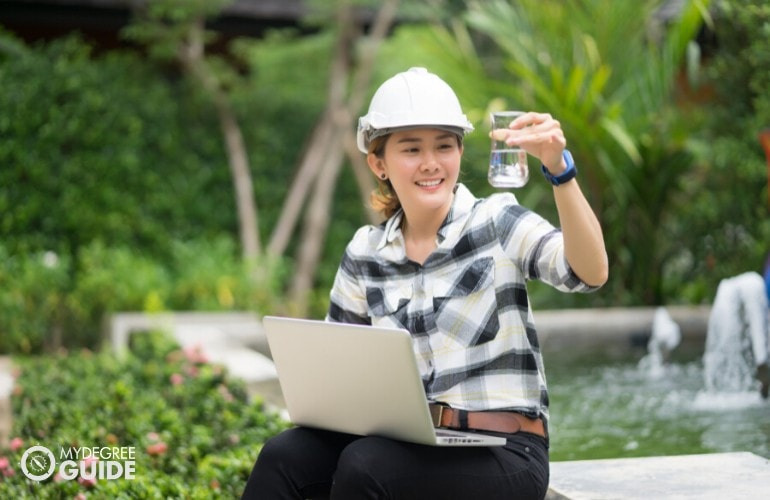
[[465, 304]]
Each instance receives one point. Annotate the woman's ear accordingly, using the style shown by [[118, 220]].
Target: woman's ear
[[376, 165]]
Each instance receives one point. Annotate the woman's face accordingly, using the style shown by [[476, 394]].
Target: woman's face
[[423, 166]]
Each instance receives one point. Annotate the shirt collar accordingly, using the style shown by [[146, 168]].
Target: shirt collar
[[392, 228], [462, 204]]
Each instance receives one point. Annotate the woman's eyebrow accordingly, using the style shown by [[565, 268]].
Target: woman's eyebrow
[[441, 137]]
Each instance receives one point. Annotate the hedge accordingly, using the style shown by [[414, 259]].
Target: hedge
[[194, 432]]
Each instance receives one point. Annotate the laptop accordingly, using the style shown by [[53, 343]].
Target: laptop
[[356, 379]]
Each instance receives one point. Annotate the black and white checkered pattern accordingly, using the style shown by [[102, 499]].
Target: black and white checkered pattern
[[467, 305]]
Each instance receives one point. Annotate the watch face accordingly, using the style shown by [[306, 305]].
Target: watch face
[[38, 463]]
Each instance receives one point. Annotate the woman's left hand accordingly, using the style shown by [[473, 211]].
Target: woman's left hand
[[540, 135]]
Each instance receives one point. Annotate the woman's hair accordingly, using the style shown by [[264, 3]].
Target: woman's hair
[[384, 199]]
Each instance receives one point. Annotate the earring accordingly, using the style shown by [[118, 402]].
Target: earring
[[383, 176]]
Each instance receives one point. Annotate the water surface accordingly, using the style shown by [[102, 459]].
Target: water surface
[[605, 407]]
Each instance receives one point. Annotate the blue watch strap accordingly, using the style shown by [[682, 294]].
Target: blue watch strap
[[565, 176]]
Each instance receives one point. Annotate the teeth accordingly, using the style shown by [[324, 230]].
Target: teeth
[[429, 183]]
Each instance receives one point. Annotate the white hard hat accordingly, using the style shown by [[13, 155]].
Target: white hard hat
[[414, 98]]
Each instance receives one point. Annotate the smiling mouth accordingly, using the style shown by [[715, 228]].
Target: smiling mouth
[[430, 183]]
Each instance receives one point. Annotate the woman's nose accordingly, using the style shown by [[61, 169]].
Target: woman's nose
[[429, 162]]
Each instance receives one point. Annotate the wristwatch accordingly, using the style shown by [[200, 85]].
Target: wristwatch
[[567, 175]]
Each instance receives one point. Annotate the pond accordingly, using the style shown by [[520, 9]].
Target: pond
[[606, 406]]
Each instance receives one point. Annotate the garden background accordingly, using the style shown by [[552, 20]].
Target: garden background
[[187, 172]]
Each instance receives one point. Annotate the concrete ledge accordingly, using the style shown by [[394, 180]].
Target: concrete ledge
[[597, 327], [716, 476], [615, 327], [219, 348], [243, 327], [6, 387]]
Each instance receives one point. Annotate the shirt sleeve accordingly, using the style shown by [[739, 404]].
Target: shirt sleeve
[[347, 299], [535, 245]]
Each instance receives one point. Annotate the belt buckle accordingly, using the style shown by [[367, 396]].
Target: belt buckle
[[436, 412]]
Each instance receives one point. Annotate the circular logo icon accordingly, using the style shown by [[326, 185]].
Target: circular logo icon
[[38, 463]]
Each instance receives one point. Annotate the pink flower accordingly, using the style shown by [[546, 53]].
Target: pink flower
[[158, 448], [4, 463], [177, 379], [195, 354], [88, 467], [9, 472], [87, 482], [16, 443], [80, 496], [153, 436]]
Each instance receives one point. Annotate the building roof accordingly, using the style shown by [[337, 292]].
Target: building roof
[[253, 9], [101, 20]]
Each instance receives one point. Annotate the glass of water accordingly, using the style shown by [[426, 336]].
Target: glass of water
[[507, 164]]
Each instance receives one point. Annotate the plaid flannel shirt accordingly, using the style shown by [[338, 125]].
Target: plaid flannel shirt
[[466, 306]]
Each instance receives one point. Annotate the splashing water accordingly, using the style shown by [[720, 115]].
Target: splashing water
[[666, 335], [736, 340]]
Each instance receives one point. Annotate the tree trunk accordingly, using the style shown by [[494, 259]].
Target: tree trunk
[[192, 58], [317, 217], [339, 116], [303, 181], [364, 180]]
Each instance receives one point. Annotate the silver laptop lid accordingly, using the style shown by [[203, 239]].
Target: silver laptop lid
[[350, 378]]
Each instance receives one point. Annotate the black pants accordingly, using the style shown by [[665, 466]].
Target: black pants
[[303, 463]]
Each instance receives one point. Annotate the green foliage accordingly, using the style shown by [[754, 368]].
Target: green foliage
[[110, 280], [104, 148], [194, 432], [209, 276], [47, 302], [109, 167], [286, 95], [610, 83], [33, 291], [724, 215], [278, 109], [163, 26]]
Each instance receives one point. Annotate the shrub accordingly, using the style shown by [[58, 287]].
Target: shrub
[[32, 294], [105, 147], [194, 432], [47, 301]]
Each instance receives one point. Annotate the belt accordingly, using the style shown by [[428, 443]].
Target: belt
[[507, 422]]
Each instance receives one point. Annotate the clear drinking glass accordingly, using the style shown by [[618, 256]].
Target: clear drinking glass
[[507, 165]]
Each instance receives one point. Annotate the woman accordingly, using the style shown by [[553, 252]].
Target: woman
[[451, 269]]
